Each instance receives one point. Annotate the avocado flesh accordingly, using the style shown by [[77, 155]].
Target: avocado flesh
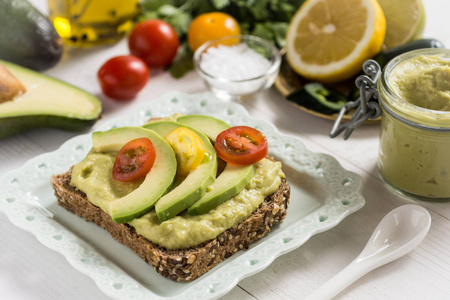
[[231, 181], [48, 102], [194, 186], [209, 126], [27, 37], [156, 182]]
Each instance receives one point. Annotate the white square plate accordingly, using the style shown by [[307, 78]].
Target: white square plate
[[322, 194]]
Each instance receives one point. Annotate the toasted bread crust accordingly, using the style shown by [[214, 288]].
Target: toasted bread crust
[[185, 264]]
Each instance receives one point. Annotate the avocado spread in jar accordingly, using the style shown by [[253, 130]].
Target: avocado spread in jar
[[93, 177], [423, 81], [415, 128]]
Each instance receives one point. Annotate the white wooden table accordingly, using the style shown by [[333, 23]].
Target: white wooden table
[[29, 270]]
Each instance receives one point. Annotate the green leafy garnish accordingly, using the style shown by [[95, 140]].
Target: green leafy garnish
[[268, 19]]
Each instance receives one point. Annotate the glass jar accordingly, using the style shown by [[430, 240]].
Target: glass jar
[[82, 23], [414, 151]]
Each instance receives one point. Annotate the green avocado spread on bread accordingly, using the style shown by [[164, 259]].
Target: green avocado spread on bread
[[172, 211], [93, 177]]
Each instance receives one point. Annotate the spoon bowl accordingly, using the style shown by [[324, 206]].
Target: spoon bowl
[[399, 232]]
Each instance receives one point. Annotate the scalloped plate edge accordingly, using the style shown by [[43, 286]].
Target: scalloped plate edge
[[220, 287]]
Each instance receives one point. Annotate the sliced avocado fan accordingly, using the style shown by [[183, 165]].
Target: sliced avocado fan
[[156, 182], [233, 178], [193, 187]]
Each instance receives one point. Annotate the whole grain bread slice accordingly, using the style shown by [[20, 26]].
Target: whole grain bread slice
[[186, 264]]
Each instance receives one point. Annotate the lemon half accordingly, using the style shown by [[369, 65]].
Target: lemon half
[[328, 40], [405, 21]]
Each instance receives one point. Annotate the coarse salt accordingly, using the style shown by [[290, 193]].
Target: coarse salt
[[231, 65], [237, 62]]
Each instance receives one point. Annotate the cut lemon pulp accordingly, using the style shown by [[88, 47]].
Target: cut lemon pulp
[[405, 21], [328, 40]]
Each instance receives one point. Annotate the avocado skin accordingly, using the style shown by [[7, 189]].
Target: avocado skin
[[27, 37], [14, 125], [23, 121]]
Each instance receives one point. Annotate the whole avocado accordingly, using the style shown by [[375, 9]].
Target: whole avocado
[[27, 37]]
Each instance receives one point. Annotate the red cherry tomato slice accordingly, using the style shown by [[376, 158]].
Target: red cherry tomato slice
[[134, 160], [241, 145]]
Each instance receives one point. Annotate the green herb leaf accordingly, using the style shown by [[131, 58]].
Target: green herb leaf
[[167, 10], [183, 62], [268, 19], [180, 23], [219, 4], [151, 5]]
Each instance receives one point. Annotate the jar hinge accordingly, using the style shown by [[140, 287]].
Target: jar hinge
[[365, 107]]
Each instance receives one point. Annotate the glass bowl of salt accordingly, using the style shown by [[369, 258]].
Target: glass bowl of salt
[[238, 66]]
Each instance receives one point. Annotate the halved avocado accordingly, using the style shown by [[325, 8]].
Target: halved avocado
[[27, 37], [156, 182], [193, 187], [231, 181], [48, 102]]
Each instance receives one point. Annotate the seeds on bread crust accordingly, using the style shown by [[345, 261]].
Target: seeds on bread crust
[[185, 264]]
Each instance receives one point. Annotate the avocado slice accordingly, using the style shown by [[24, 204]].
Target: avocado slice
[[47, 102], [27, 37], [156, 182], [194, 186], [231, 181], [208, 125]]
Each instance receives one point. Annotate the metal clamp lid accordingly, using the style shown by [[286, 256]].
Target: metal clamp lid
[[365, 107]]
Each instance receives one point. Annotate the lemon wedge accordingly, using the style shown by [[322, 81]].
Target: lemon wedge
[[328, 40], [405, 21]]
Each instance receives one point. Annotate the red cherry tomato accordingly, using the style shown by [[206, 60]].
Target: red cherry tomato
[[241, 145], [122, 77], [155, 42], [134, 160]]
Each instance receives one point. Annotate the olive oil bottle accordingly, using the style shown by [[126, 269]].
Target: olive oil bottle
[[84, 23]]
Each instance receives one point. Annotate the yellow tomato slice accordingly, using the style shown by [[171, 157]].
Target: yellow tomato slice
[[188, 147]]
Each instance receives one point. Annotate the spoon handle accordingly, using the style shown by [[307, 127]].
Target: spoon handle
[[340, 281]]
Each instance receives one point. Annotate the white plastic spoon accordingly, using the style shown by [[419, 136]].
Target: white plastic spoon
[[399, 232]]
